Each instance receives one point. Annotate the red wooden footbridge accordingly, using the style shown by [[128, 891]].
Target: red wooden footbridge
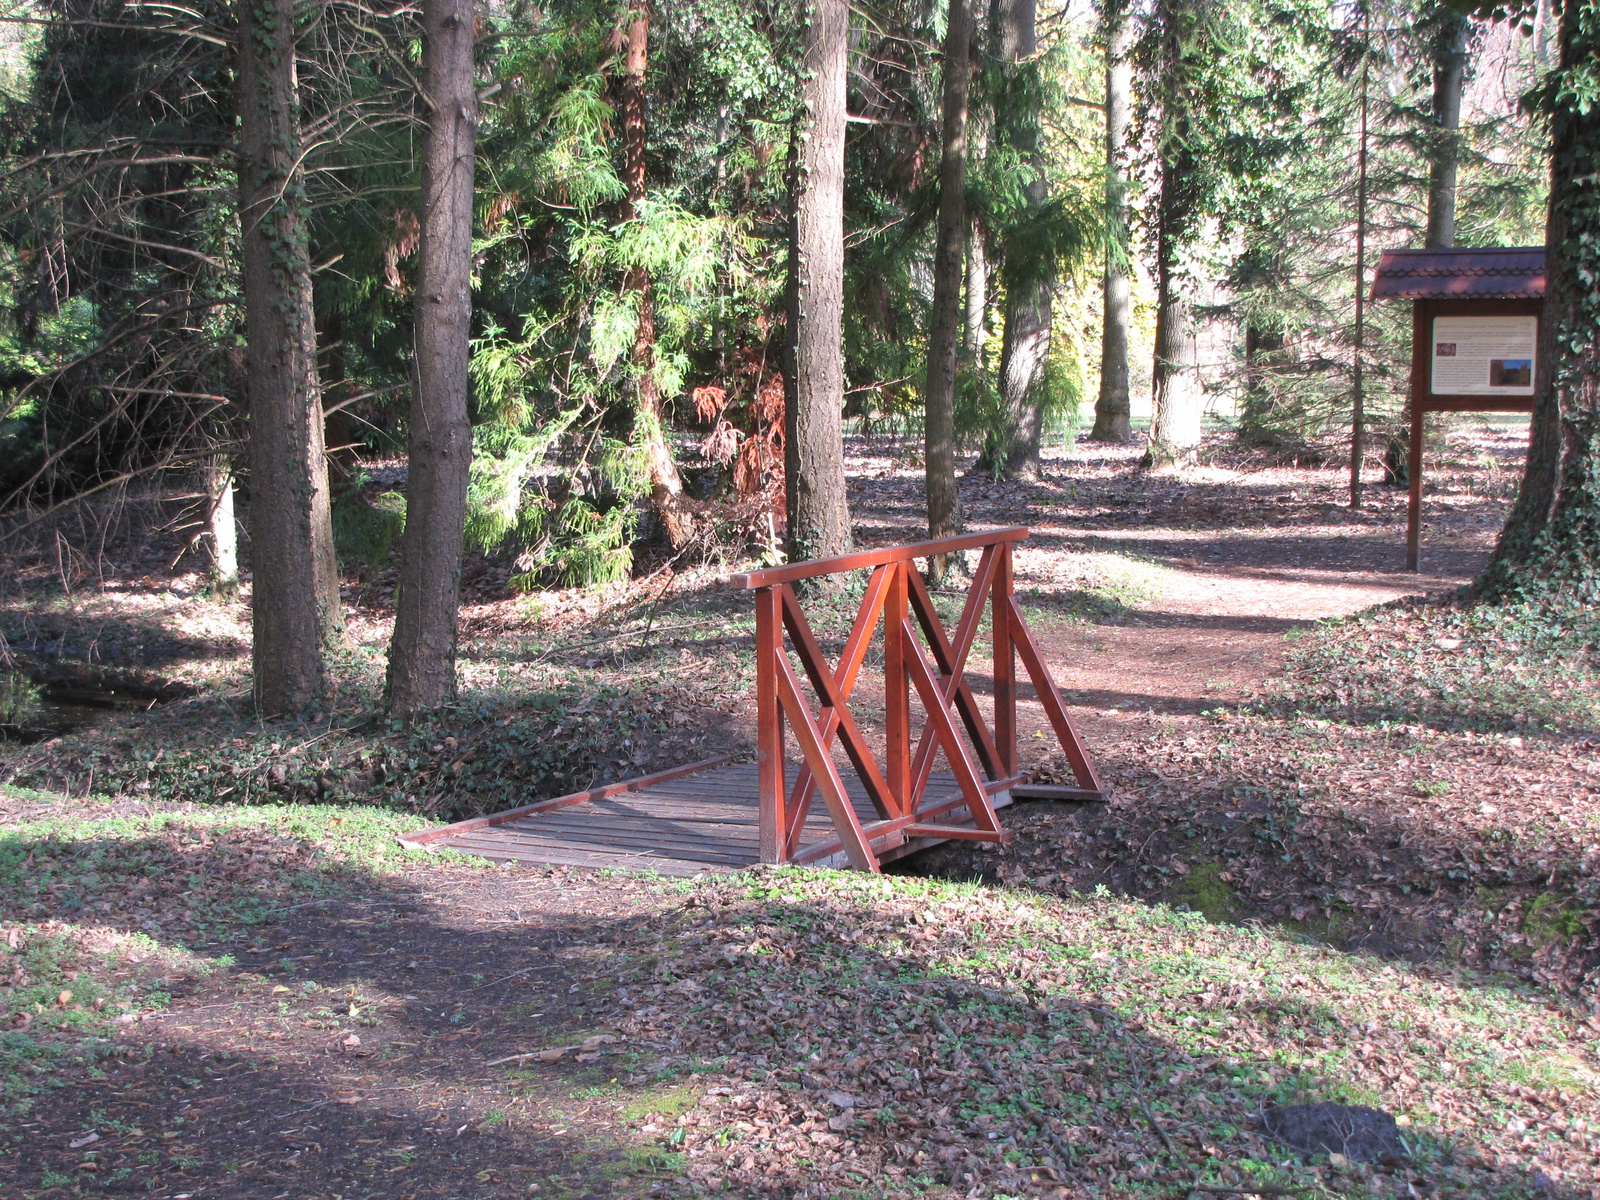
[[719, 815]]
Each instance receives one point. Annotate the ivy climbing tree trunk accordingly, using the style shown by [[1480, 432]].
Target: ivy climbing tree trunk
[[666, 486], [422, 654], [1030, 281], [1175, 382], [945, 330], [1444, 147], [818, 507], [1112, 410], [295, 594], [1552, 538]]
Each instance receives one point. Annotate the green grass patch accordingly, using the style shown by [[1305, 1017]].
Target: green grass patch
[[1103, 589], [100, 912], [665, 1102]]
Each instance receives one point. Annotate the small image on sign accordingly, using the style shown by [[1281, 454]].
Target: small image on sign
[[1446, 350], [1510, 372]]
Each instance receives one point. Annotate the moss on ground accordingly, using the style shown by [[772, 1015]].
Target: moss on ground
[[1552, 918], [667, 1102], [1203, 890]]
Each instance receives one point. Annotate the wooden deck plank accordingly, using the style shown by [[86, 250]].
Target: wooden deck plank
[[599, 842], [680, 825], [524, 848], [549, 858], [605, 833], [637, 831], [678, 810], [715, 849], [613, 857]]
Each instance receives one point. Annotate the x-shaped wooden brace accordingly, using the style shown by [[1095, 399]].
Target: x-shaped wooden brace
[[815, 735], [937, 698], [952, 660]]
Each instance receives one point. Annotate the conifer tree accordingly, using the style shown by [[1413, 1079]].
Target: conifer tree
[[819, 512], [422, 654], [666, 486], [945, 328], [1030, 275], [1112, 406], [1175, 431], [294, 597]]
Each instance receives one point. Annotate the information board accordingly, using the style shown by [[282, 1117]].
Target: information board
[[1484, 356]]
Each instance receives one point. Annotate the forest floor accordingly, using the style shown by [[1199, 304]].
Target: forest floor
[[1350, 857]]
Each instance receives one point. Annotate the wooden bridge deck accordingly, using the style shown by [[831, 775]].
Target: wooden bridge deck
[[675, 823]]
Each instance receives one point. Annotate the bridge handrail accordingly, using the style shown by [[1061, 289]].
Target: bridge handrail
[[768, 576]]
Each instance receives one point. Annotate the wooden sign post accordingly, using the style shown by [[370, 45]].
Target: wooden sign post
[[1474, 340]]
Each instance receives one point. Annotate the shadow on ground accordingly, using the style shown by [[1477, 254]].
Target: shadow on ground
[[347, 1045]]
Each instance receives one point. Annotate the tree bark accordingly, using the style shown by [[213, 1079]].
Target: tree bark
[[294, 611], [1358, 392], [944, 334], [1449, 75], [223, 528], [666, 486], [1030, 291], [1112, 410], [1175, 383], [1177, 398], [818, 507], [1551, 540], [422, 654], [975, 332], [976, 319]]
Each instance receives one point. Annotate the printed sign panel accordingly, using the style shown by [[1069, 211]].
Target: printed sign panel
[[1484, 356]]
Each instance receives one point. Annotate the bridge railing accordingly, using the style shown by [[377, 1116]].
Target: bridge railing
[[918, 653]]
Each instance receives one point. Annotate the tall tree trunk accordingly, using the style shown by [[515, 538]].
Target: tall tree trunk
[[819, 510], [666, 486], [223, 528], [1449, 75], [1112, 408], [1176, 387], [1358, 398], [1175, 383], [1552, 537], [1030, 286], [294, 611], [422, 654], [974, 333], [975, 321], [944, 333]]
